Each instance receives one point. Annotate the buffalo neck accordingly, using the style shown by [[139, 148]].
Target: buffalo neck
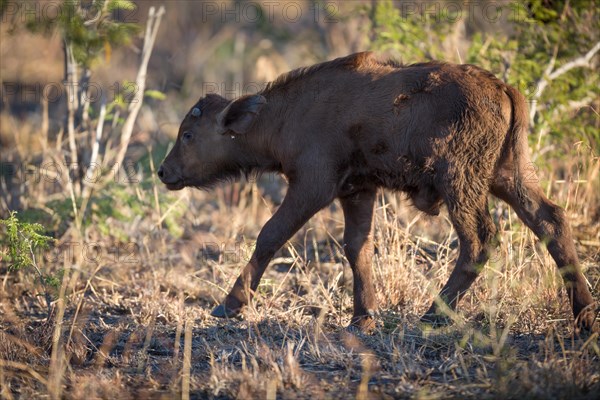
[[263, 147], [253, 153]]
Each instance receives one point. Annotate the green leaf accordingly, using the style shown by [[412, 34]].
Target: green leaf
[[121, 5], [155, 94], [22, 240]]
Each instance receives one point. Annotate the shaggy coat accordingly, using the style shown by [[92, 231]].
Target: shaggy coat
[[445, 134]]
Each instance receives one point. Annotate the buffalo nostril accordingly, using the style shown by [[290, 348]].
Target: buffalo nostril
[[160, 172]]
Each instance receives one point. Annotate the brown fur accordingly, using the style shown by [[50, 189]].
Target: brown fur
[[442, 133]]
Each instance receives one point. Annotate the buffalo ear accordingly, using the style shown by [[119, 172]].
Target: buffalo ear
[[240, 114]]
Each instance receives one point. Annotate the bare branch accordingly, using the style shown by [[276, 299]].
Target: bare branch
[[583, 61], [96, 146], [136, 104], [92, 168], [550, 75], [72, 100]]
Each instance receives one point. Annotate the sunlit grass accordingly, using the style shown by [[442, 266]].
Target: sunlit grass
[[136, 321]]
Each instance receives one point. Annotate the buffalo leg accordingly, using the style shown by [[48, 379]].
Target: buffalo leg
[[476, 231], [296, 209], [358, 246], [549, 222]]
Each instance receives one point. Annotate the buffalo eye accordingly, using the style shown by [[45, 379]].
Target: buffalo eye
[[187, 136]]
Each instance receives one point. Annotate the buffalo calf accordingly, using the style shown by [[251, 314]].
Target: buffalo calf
[[445, 134]]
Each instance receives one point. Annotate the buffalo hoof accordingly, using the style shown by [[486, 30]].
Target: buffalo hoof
[[221, 311], [364, 325], [587, 322], [436, 320]]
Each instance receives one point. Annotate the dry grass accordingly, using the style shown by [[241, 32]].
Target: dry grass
[[137, 325]]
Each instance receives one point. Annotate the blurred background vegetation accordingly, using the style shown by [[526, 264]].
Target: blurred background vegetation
[[546, 48], [92, 95]]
